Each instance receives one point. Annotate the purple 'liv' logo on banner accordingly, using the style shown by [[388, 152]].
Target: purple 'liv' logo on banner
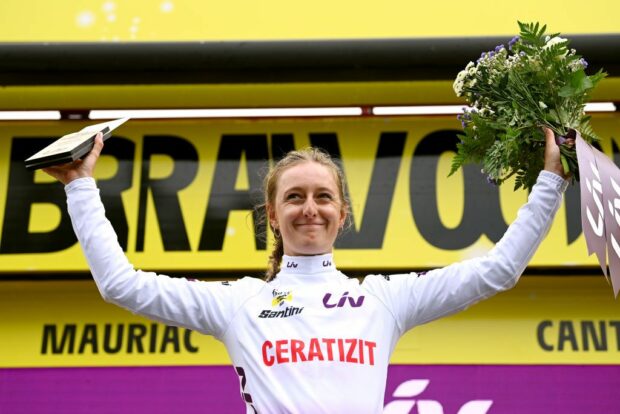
[[600, 208], [408, 391], [513, 389], [502, 389]]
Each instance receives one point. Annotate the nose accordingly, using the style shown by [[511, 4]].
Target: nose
[[310, 208]]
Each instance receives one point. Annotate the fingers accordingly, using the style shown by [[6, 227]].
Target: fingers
[[98, 146], [65, 173], [57, 172], [94, 153], [54, 170], [50, 171], [549, 136]]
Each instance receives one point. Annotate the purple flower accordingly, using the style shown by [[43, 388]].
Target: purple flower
[[491, 54], [521, 53], [498, 48], [512, 42], [583, 62]]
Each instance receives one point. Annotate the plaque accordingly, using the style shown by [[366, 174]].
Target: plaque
[[72, 146]]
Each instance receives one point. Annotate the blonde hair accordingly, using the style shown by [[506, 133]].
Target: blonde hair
[[270, 184]]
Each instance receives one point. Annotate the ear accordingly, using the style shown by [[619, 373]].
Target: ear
[[271, 216], [344, 211]]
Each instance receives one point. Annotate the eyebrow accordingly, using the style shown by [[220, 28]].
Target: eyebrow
[[298, 188]]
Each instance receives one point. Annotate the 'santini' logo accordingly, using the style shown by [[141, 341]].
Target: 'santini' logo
[[355, 303]]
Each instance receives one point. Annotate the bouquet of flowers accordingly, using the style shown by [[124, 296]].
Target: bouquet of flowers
[[514, 90]]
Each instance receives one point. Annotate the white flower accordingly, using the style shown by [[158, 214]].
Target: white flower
[[459, 83], [554, 41], [462, 75], [486, 112], [458, 87]]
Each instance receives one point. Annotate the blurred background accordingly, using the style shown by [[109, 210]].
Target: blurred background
[[217, 91]]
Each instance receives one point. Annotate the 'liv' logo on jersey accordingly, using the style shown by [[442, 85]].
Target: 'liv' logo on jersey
[[327, 263], [355, 303], [291, 264]]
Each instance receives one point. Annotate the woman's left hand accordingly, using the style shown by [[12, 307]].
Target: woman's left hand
[[552, 154]]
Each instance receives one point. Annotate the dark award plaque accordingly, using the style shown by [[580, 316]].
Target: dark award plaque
[[72, 146]]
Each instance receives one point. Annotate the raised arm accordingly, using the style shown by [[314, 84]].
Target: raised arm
[[202, 306], [417, 299]]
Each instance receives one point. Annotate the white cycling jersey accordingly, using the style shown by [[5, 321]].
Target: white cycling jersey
[[312, 340]]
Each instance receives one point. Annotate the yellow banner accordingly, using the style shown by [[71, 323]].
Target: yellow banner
[[544, 320], [18, 97], [180, 195], [144, 20], [68, 324]]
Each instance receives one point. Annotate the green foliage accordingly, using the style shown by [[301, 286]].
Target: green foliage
[[513, 91]]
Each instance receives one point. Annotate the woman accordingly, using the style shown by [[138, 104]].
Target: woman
[[308, 339]]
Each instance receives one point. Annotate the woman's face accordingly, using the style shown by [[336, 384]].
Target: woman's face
[[307, 210]]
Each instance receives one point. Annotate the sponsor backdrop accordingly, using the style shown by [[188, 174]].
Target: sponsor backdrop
[[544, 320], [144, 20], [65, 342], [183, 96], [180, 195], [428, 389]]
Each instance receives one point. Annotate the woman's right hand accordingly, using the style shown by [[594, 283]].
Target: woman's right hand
[[85, 167]]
